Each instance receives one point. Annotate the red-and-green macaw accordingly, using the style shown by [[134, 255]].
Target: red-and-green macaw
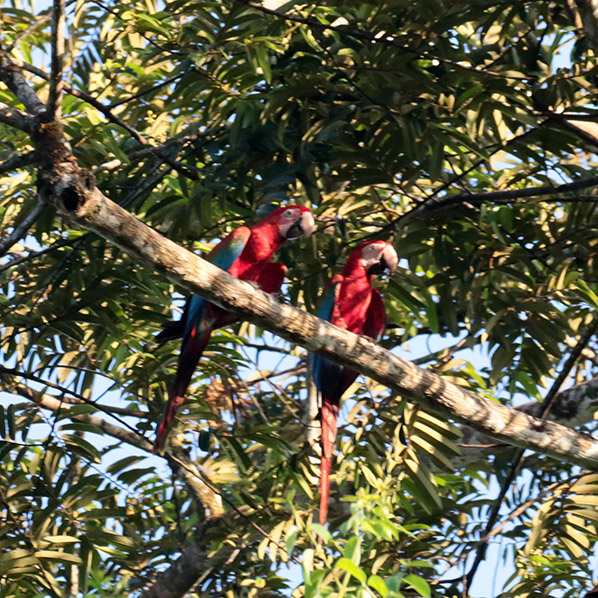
[[245, 254], [351, 303]]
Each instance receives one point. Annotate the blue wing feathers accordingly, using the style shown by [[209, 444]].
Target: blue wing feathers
[[224, 255]]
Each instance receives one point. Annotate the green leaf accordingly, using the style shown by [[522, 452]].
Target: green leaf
[[350, 567], [419, 584]]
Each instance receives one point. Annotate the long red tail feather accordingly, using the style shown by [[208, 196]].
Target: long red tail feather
[[188, 359], [329, 415]]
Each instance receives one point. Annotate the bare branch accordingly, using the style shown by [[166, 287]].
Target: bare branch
[[105, 110], [34, 378], [17, 161], [20, 230], [11, 75], [57, 61], [508, 196], [16, 118], [111, 117], [23, 390], [195, 560], [184, 467]]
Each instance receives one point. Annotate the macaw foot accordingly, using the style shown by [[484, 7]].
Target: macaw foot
[[280, 297]]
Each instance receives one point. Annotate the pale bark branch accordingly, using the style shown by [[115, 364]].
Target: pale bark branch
[[90, 209], [73, 192], [23, 390], [21, 229], [57, 61], [573, 407], [517, 458], [38, 379], [56, 404]]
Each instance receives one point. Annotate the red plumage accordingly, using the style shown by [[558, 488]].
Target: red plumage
[[350, 303], [245, 254]]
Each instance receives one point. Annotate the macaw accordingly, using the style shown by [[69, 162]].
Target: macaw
[[351, 303], [245, 254]]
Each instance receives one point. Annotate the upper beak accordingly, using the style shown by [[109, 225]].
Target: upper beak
[[303, 226], [390, 259]]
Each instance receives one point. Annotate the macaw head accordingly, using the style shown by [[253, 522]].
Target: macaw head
[[376, 256], [293, 221]]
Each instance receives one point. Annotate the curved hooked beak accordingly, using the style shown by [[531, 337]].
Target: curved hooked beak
[[389, 259], [303, 226]]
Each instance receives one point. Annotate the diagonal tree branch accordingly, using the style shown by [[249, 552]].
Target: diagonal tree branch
[[210, 499], [16, 118], [508, 196], [20, 230], [17, 161], [57, 61], [196, 560], [107, 111], [13, 78], [41, 21], [72, 191], [86, 206]]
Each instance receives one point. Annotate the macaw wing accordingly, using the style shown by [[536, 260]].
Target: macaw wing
[[329, 299], [327, 374], [224, 255], [375, 318]]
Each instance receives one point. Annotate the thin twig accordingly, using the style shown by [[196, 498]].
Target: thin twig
[[41, 21], [62, 389], [511, 195], [111, 117], [20, 230], [584, 339], [56, 245]]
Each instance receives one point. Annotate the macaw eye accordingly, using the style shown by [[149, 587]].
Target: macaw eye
[[288, 212]]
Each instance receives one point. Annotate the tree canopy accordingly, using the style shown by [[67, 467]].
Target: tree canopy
[[465, 133]]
